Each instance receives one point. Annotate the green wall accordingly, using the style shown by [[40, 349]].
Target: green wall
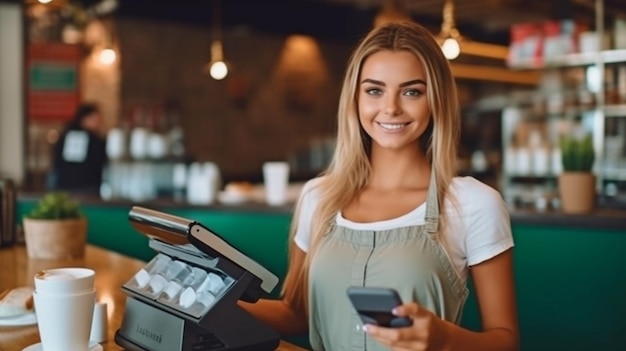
[[571, 288], [570, 283]]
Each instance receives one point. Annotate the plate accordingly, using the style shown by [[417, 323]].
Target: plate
[[18, 321], [93, 346], [232, 198]]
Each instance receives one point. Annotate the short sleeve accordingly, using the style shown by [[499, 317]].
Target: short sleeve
[[308, 201], [488, 224]]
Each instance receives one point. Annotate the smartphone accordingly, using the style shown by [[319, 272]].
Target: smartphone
[[374, 305]]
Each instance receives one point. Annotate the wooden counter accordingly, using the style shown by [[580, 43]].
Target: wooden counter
[[560, 261], [112, 271]]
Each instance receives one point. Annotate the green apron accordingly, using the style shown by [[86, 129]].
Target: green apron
[[408, 259]]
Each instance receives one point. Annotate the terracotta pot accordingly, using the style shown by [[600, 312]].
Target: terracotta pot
[[55, 239], [577, 191]]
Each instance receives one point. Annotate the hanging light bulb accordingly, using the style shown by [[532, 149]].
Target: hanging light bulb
[[449, 33], [451, 48], [108, 53], [218, 69], [107, 56], [453, 43]]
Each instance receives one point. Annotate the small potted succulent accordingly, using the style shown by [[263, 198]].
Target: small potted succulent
[[55, 228], [577, 182]]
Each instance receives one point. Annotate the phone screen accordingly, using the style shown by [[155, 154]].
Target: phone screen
[[374, 305]]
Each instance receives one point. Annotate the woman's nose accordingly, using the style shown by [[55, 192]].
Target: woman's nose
[[392, 107]]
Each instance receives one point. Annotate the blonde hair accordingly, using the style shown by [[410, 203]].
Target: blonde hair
[[350, 167]]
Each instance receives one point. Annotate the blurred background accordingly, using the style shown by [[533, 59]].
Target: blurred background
[[525, 71]]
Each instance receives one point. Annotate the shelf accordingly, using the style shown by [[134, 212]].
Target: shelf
[[607, 107], [531, 179], [614, 174], [615, 110], [573, 60]]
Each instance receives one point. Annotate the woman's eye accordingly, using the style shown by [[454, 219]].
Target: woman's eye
[[412, 92], [373, 91]]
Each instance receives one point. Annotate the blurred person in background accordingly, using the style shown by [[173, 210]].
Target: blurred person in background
[[79, 156]]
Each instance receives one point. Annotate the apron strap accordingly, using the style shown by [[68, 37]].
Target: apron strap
[[432, 205]]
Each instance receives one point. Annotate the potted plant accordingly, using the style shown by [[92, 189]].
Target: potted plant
[[577, 183], [55, 228]]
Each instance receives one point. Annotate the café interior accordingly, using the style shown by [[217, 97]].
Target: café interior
[[197, 97]]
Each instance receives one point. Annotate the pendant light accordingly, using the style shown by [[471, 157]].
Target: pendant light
[[108, 54], [217, 67], [453, 43], [449, 35]]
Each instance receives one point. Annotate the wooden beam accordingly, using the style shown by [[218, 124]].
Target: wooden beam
[[474, 48], [494, 74]]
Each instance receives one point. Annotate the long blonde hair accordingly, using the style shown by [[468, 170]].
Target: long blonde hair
[[350, 167]]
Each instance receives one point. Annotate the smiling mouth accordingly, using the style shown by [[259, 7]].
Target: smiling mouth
[[393, 126]]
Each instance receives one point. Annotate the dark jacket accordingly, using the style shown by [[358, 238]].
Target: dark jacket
[[85, 176]]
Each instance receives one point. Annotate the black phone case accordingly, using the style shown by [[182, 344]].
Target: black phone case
[[374, 305]]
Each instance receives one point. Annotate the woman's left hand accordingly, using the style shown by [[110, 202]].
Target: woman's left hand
[[428, 331]]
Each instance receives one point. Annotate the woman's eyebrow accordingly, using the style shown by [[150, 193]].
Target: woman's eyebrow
[[412, 82], [373, 81], [405, 84]]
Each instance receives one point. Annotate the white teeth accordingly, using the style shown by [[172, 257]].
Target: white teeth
[[392, 126]]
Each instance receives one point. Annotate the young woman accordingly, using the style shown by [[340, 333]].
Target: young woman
[[390, 212]]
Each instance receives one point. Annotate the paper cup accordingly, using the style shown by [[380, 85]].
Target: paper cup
[[64, 280], [64, 321], [276, 179]]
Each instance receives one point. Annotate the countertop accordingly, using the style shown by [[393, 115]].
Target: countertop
[[112, 271], [601, 218]]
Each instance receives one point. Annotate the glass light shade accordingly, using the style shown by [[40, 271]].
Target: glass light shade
[[219, 70], [107, 56], [451, 48]]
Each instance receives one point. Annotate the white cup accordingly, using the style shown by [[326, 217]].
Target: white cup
[[276, 179], [589, 41], [71, 280], [115, 143], [64, 321], [64, 304]]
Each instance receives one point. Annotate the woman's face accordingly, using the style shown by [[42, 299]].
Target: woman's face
[[392, 103]]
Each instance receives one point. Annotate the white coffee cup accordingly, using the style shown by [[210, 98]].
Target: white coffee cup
[[64, 304], [276, 180], [64, 321], [69, 280]]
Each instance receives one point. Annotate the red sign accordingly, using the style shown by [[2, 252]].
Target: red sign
[[53, 81]]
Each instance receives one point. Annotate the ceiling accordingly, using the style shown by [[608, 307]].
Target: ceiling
[[495, 15], [481, 20]]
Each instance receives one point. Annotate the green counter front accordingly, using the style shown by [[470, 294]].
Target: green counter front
[[570, 281]]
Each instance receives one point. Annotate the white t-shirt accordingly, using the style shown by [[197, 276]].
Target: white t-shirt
[[480, 230]]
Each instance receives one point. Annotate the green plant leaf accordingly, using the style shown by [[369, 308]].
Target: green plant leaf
[[56, 205], [577, 155]]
